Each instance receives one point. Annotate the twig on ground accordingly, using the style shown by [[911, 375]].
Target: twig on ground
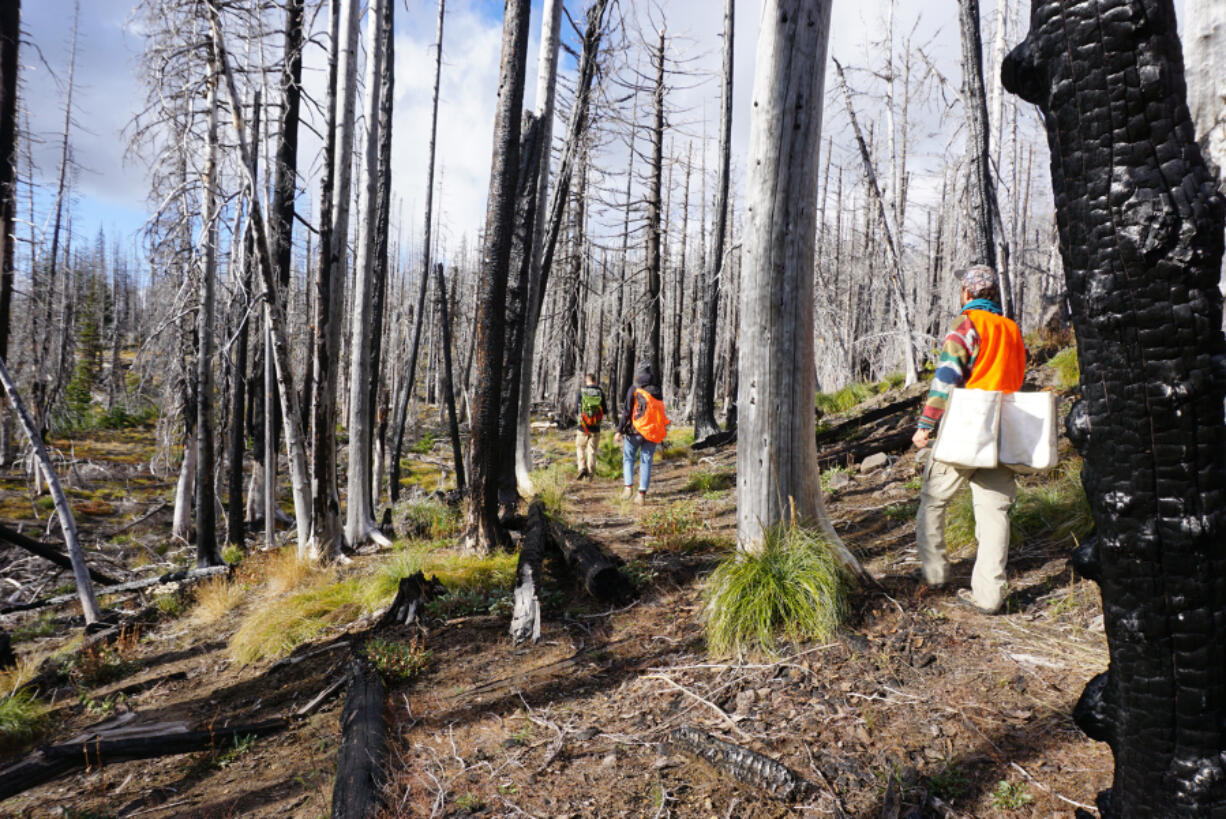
[[721, 712]]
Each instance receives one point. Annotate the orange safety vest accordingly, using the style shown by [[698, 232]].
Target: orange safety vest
[[653, 422], [1001, 361]]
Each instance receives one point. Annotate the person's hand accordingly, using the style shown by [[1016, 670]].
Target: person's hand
[[617, 437], [920, 438]]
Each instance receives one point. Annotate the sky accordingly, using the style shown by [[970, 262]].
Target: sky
[[111, 185]]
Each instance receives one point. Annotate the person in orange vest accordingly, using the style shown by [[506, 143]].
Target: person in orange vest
[[643, 426], [983, 351]]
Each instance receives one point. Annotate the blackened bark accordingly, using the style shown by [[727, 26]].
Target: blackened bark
[[980, 191], [530, 157], [654, 211], [704, 377], [1140, 224], [453, 426], [490, 325]]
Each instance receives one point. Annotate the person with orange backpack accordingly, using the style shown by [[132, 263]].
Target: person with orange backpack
[[592, 410], [643, 426]]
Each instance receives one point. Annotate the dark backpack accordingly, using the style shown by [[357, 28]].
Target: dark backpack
[[591, 411]]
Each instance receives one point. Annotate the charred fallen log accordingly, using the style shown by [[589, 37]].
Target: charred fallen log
[[598, 571], [748, 766], [1140, 224], [840, 431], [715, 440], [49, 553], [526, 616], [854, 453], [363, 737], [53, 761]]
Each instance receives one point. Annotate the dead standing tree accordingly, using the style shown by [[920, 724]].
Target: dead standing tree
[[777, 476], [704, 375], [484, 531], [1140, 221], [10, 39]]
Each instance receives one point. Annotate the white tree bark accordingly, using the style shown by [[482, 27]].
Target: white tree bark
[[1204, 41], [185, 490], [80, 572], [546, 86], [359, 515], [777, 473]]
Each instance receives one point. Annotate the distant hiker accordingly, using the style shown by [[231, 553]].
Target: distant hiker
[[592, 410], [983, 351], [644, 425]]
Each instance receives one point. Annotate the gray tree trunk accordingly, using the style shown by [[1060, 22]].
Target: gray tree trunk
[[360, 523], [777, 477]]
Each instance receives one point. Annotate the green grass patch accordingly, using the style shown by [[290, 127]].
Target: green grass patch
[[794, 587], [281, 623], [1053, 507], [608, 458], [428, 518], [832, 403], [552, 486], [423, 445], [1066, 367], [171, 604], [675, 527], [21, 718], [707, 480], [233, 554], [396, 660]]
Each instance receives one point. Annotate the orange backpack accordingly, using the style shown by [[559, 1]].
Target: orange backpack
[[653, 422]]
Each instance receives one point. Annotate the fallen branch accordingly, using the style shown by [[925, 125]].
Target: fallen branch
[[526, 617], [363, 737], [717, 440], [157, 507], [48, 552], [838, 431], [52, 761], [853, 453], [748, 766], [181, 576]]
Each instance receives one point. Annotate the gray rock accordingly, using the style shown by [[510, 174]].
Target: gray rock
[[874, 462], [839, 480]]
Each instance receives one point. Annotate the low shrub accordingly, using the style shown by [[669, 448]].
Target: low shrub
[[673, 528], [398, 661], [794, 587], [1066, 367], [428, 518], [704, 480]]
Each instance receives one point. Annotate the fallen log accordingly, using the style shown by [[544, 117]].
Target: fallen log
[[363, 736], [838, 431], [47, 552], [717, 440], [597, 570], [748, 766], [180, 576], [854, 453], [52, 761], [414, 591], [526, 617], [7, 658]]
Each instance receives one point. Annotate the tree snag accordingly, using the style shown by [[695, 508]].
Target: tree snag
[[1140, 223]]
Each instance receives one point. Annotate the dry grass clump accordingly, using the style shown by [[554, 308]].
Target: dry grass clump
[[215, 598], [284, 571]]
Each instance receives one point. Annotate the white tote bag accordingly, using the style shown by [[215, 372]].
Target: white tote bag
[[970, 430], [1028, 430]]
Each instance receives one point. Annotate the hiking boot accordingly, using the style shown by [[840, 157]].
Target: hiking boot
[[640, 498], [627, 493], [966, 598]]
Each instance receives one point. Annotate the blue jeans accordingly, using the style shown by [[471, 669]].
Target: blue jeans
[[635, 446]]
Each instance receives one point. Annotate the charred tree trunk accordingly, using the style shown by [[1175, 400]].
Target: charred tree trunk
[[484, 531], [1140, 224], [981, 192], [654, 258], [704, 376], [10, 39], [453, 426]]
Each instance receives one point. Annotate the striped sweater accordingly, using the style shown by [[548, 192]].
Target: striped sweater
[[953, 368]]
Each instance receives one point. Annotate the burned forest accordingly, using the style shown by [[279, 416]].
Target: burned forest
[[602, 408]]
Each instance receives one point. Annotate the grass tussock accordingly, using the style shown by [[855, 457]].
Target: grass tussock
[[215, 598], [552, 486], [842, 400], [674, 528], [22, 717], [1066, 367], [794, 588], [1053, 508], [705, 480], [284, 571], [428, 518], [331, 601]]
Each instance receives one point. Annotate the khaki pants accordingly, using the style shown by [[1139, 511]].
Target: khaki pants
[[585, 451], [992, 491]]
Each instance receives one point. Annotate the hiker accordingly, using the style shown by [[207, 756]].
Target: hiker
[[983, 351], [644, 425], [592, 410]]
